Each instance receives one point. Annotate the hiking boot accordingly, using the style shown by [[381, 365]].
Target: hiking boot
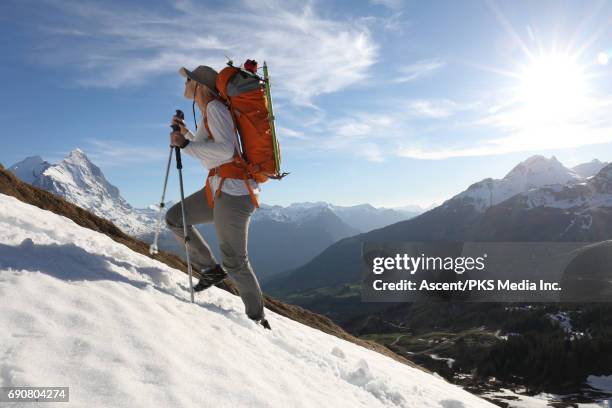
[[210, 277], [264, 322]]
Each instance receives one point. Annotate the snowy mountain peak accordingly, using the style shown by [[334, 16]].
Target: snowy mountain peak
[[538, 170], [77, 152], [29, 168], [309, 205], [79, 181], [602, 181], [590, 168], [534, 172], [605, 172], [579, 198], [30, 160], [76, 175], [78, 156]]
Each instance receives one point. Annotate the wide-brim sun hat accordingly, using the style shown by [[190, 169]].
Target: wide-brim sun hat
[[203, 75]]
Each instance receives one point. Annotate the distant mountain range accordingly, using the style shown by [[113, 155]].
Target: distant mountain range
[[360, 218], [280, 237], [484, 343], [538, 200]]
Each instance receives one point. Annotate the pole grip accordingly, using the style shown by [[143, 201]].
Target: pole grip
[[179, 161], [179, 114]]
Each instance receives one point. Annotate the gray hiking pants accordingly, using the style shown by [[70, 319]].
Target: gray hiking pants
[[231, 215]]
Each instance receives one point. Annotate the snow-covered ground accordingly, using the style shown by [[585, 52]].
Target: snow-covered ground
[[449, 361], [601, 383], [564, 321], [524, 401], [542, 400], [117, 327]]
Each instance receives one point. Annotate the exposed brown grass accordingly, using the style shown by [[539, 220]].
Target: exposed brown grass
[[12, 186]]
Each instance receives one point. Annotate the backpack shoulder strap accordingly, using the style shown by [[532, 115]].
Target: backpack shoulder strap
[[210, 135], [237, 149]]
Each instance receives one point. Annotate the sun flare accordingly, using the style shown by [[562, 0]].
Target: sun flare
[[552, 86]]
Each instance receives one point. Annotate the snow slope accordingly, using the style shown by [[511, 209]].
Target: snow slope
[[83, 311]]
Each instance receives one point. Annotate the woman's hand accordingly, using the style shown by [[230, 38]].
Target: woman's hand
[[180, 123], [177, 139]]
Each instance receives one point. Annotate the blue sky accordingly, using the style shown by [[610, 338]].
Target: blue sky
[[389, 102]]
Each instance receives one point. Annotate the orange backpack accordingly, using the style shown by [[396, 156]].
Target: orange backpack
[[257, 157]]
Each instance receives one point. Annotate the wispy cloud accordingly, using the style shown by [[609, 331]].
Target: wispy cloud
[[309, 55], [562, 137], [517, 129], [364, 124], [380, 133], [291, 133], [117, 153], [370, 151], [434, 108], [366, 135], [418, 70], [390, 4]]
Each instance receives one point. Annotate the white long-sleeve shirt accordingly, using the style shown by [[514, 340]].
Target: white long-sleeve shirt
[[219, 150]]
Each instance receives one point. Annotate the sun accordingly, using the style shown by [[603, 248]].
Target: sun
[[552, 86]]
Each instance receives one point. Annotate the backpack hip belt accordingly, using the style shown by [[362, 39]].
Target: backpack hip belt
[[231, 170]]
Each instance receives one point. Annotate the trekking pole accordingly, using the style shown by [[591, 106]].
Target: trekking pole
[[153, 249], [179, 166]]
